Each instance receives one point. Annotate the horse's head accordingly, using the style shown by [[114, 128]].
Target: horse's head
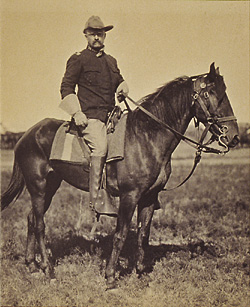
[[213, 109]]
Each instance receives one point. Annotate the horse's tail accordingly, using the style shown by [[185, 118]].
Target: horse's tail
[[15, 187]]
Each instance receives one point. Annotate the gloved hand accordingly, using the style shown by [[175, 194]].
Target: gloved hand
[[122, 91], [80, 119]]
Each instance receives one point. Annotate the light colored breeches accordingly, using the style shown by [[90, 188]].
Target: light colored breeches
[[95, 135]]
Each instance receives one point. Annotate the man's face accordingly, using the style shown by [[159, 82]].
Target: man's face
[[95, 38]]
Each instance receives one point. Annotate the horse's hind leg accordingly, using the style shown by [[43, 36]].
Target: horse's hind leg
[[35, 232], [144, 219], [31, 244]]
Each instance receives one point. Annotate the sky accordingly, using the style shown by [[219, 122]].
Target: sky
[[154, 41]]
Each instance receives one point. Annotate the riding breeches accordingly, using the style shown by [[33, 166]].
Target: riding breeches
[[95, 135]]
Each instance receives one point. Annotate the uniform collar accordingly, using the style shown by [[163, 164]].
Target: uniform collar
[[97, 53]]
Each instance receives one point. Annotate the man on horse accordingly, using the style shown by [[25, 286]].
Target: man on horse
[[98, 79]]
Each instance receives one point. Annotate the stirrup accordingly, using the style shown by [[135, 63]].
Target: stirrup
[[105, 204]]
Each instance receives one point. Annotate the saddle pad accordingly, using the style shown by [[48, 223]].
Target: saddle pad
[[66, 146]]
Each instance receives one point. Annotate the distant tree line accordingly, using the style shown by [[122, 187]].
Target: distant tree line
[[244, 135], [9, 139]]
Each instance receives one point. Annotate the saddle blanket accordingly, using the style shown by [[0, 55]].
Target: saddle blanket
[[69, 147]]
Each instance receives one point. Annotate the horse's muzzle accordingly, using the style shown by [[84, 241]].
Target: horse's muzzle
[[223, 141], [235, 141]]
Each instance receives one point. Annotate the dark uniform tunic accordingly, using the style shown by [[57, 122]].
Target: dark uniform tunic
[[97, 79]]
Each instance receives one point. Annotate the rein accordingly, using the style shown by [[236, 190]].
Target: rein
[[182, 136]]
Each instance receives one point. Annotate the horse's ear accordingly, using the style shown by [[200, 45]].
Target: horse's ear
[[217, 70], [212, 71]]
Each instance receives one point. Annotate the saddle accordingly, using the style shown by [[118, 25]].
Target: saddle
[[69, 146]]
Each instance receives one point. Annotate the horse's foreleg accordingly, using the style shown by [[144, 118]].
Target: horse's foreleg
[[126, 211], [144, 219]]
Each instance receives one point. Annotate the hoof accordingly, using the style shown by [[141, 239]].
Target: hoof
[[113, 291], [50, 273], [111, 284], [33, 267], [140, 269], [38, 275], [52, 281]]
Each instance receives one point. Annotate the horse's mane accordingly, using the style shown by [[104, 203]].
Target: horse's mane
[[168, 103]]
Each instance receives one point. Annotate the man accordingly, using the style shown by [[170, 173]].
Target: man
[[98, 78]]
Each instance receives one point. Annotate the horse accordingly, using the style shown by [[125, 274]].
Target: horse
[[153, 131]]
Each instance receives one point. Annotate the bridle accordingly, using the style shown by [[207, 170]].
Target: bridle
[[200, 96]]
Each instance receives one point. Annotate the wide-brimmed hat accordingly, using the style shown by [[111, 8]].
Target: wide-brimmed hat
[[95, 23]]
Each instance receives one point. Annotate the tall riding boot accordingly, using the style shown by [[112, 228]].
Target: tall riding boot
[[99, 198]]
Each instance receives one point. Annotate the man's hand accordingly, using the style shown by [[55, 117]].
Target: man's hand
[[120, 97], [80, 119], [122, 91]]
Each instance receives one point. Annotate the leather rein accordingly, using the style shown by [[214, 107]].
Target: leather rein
[[211, 120]]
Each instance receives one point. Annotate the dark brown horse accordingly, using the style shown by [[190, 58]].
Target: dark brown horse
[[140, 176]]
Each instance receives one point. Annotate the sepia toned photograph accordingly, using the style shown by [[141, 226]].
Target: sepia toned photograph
[[125, 153]]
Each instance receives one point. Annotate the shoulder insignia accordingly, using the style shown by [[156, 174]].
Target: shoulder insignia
[[78, 53]]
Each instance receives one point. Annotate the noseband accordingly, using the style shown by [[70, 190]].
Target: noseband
[[201, 95]]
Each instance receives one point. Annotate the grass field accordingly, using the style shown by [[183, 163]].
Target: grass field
[[198, 254]]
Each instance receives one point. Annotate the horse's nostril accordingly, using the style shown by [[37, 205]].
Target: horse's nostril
[[235, 141]]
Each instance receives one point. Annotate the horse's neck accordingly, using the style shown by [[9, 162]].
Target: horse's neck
[[184, 121], [178, 118], [146, 129], [172, 105]]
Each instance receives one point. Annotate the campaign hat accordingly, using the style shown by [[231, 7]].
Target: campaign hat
[[95, 23]]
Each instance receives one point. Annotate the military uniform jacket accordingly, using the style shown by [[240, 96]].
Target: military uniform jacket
[[97, 79]]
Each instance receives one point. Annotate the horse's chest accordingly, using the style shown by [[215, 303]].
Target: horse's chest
[[163, 177]]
